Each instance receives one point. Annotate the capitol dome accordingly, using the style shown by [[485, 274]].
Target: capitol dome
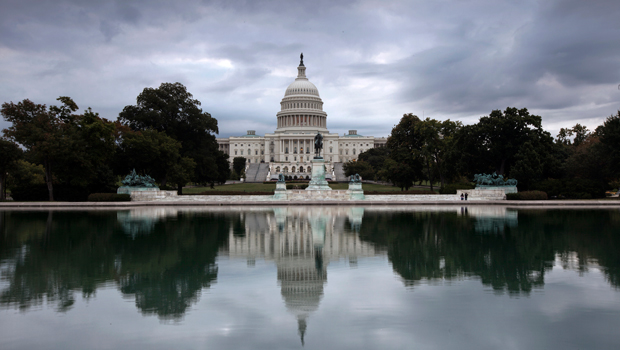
[[302, 86], [301, 109]]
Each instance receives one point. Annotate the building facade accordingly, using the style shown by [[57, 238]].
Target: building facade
[[290, 148]]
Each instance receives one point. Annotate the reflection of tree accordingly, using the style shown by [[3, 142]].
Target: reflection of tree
[[427, 245], [49, 260]]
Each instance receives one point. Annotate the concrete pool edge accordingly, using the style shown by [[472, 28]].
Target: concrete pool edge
[[546, 204]]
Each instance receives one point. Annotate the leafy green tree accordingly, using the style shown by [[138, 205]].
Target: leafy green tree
[[375, 157], [41, 131], [223, 168], [359, 167], [10, 154], [239, 165], [492, 144], [436, 139], [528, 167], [405, 144], [170, 108], [609, 136], [181, 173], [150, 152]]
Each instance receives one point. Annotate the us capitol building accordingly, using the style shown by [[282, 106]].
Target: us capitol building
[[290, 148]]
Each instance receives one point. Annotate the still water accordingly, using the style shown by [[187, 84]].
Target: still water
[[322, 278]]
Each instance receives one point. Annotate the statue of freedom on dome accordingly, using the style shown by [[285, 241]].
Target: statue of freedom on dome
[[318, 145]]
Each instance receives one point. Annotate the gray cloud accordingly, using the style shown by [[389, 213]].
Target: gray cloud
[[372, 61]]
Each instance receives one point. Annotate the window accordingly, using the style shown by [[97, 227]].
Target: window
[[255, 152], [262, 152], [331, 150], [286, 158], [340, 152], [235, 145], [354, 151], [249, 160], [241, 152], [346, 152], [249, 152], [235, 152]]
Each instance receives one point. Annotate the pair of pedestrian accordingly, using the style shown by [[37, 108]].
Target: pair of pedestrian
[[464, 196]]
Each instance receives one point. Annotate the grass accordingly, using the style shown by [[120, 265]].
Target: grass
[[260, 187]]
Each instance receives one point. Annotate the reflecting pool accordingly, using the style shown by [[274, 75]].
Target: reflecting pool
[[314, 277]]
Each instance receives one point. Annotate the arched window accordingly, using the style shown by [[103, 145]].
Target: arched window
[[301, 169], [354, 151], [293, 169], [285, 169], [330, 150], [277, 169]]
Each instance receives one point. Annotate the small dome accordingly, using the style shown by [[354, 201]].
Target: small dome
[[302, 87]]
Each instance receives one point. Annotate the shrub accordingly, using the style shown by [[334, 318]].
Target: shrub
[[527, 195], [296, 186], [571, 188], [451, 188], [109, 197], [229, 193], [31, 192]]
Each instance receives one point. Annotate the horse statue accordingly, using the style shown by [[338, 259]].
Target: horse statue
[[318, 145], [355, 178], [281, 178]]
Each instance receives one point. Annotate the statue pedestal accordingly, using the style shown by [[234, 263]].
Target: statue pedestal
[[280, 192], [355, 191], [129, 189], [318, 182]]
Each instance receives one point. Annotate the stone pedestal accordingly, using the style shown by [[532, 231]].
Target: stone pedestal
[[318, 182], [280, 192], [355, 191], [129, 189], [506, 189]]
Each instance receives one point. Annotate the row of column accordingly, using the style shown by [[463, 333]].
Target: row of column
[[301, 120], [290, 144]]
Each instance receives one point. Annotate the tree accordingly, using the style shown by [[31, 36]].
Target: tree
[[436, 137], [375, 157], [239, 165], [492, 144], [150, 152], [405, 144], [528, 166], [10, 154], [41, 131], [359, 167], [172, 109], [181, 173], [609, 136]]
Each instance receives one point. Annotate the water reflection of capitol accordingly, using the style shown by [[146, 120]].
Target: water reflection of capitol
[[302, 243]]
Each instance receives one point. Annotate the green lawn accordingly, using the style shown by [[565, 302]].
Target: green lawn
[[260, 187]]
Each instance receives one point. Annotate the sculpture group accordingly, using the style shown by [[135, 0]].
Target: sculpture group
[[493, 180], [135, 180]]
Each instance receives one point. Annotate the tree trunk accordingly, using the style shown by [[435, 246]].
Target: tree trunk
[[502, 167], [179, 189], [48, 179], [2, 186]]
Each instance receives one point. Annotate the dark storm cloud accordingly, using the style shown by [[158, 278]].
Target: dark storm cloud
[[372, 61]]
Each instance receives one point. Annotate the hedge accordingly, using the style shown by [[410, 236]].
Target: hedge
[[571, 188], [451, 188], [401, 192], [229, 193], [109, 197], [296, 186], [527, 195], [38, 192]]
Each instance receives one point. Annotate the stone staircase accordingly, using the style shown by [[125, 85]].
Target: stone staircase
[[263, 170], [256, 172], [339, 172], [250, 172]]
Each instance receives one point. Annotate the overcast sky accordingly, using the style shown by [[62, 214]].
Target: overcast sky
[[372, 61]]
